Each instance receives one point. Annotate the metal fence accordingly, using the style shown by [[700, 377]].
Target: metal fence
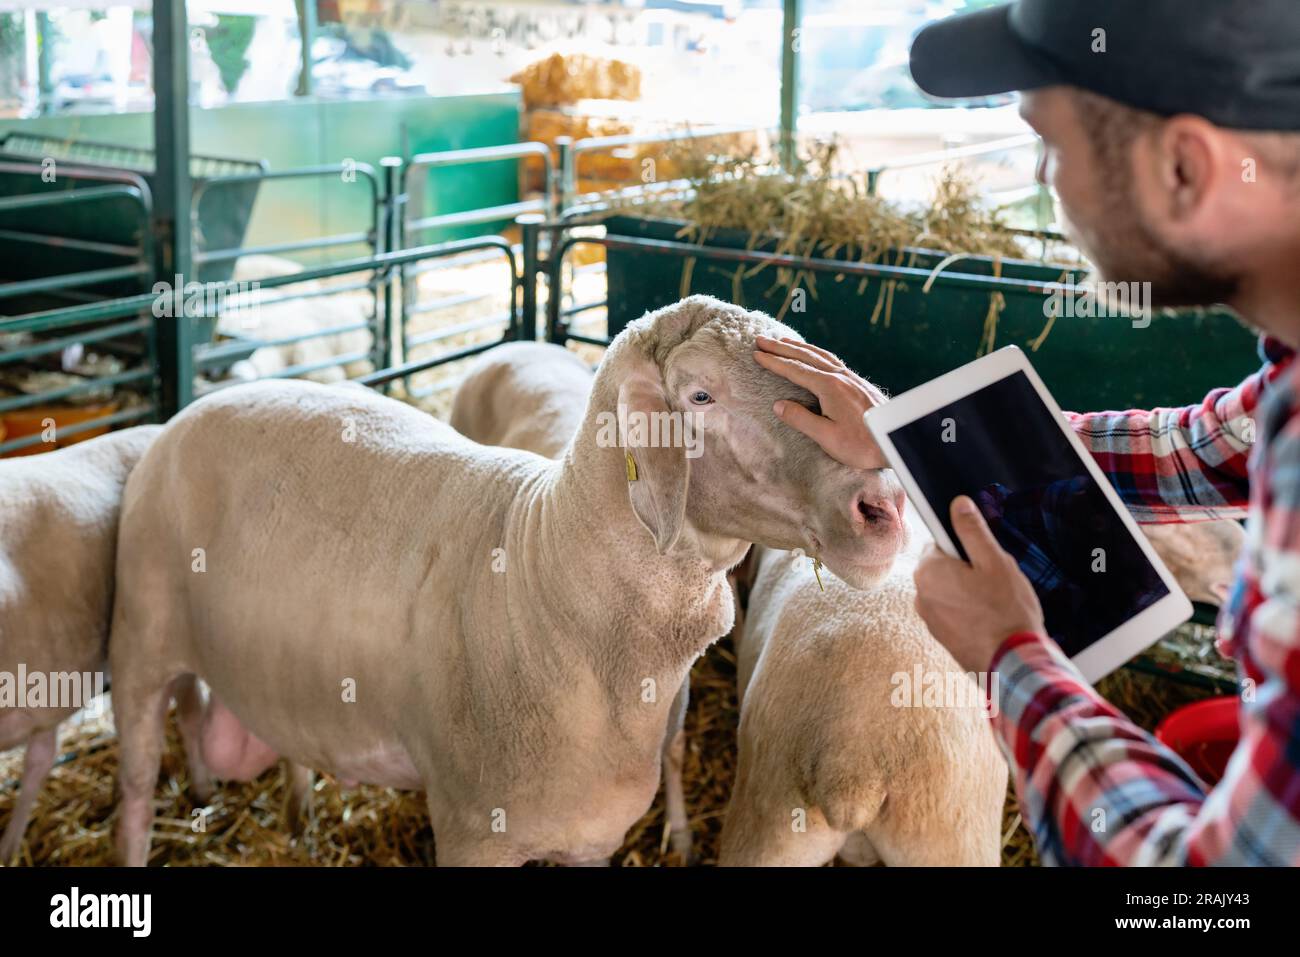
[[393, 235]]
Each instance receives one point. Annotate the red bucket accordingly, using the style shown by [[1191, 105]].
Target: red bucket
[[1204, 735]]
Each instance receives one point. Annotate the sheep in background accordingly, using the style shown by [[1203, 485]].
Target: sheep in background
[[523, 395], [272, 320], [409, 608], [58, 538]]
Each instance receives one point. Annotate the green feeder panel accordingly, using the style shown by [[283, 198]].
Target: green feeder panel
[[100, 235], [1174, 358]]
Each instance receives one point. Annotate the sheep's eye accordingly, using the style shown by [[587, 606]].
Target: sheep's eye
[[700, 397]]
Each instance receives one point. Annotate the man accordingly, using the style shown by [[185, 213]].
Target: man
[[1171, 135]]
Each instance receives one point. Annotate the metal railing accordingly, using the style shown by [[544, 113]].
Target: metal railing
[[412, 223], [397, 221], [933, 157], [43, 334], [570, 151], [210, 355], [121, 185], [118, 318]]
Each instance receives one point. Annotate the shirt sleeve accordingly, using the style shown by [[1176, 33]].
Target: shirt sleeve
[[1095, 789], [1179, 464]]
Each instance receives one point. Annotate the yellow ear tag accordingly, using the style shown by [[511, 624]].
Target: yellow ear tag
[[817, 570], [631, 466]]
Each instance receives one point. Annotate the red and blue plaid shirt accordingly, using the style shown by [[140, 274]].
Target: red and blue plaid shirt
[[1096, 789]]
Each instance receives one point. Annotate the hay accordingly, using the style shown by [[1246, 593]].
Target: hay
[[563, 79], [360, 826], [814, 210], [371, 826], [817, 210]]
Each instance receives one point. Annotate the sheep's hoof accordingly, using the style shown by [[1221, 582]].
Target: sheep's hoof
[[202, 792], [9, 850], [679, 840]]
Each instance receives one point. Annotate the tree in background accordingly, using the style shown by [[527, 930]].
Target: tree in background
[[11, 55], [228, 41]]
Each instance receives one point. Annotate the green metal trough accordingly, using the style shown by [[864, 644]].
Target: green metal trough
[[110, 234]]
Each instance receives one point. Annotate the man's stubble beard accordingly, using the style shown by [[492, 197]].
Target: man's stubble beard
[[1129, 251]]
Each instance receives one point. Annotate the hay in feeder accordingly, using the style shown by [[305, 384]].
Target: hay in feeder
[[816, 210]]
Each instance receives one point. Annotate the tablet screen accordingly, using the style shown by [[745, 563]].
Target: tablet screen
[[1001, 446]]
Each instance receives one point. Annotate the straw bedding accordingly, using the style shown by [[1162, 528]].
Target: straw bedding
[[375, 826]]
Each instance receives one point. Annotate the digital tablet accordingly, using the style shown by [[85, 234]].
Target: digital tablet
[[992, 431]]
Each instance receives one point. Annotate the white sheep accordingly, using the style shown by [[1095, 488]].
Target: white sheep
[[390, 602], [831, 759], [58, 536], [523, 395], [532, 396], [271, 320], [843, 770]]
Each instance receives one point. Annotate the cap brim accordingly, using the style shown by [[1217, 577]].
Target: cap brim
[[977, 54]]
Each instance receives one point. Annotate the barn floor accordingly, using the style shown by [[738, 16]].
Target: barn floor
[[369, 826]]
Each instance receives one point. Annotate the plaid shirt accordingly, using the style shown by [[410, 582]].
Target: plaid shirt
[[1096, 789]]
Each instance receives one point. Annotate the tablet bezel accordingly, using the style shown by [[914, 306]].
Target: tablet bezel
[[1137, 632]]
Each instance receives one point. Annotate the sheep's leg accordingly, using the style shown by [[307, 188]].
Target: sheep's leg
[[189, 718], [779, 841], [948, 838], [768, 825], [140, 714], [458, 845], [464, 851], [42, 747], [297, 801], [674, 759]]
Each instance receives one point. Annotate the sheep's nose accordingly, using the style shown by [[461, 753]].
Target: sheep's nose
[[877, 514]]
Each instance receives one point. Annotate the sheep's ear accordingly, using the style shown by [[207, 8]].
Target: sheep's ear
[[657, 478]]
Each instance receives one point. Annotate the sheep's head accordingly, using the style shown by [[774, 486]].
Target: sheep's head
[[707, 453]]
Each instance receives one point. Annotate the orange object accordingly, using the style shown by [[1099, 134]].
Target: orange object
[[33, 421]]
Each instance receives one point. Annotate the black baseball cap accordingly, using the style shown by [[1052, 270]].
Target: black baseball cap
[[1234, 62]]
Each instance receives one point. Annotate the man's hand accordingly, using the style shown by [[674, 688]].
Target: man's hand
[[971, 609], [843, 394]]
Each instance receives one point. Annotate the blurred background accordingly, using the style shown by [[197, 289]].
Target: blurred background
[[699, 62]]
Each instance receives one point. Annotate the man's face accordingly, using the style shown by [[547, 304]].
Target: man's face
[[1105, 204]]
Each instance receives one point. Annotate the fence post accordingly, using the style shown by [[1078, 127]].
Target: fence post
[[173, 232], [392, 241], [556, 327], [530, 225], [792, 18], [564, 174]]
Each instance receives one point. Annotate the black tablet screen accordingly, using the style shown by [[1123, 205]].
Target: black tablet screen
[[1000, 446]]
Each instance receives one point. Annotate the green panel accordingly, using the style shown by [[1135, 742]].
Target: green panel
[[1089, 364], [57, 236], [309, 132], [450, 123]]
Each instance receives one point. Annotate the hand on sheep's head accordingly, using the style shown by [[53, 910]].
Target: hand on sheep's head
[[844, 396]]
